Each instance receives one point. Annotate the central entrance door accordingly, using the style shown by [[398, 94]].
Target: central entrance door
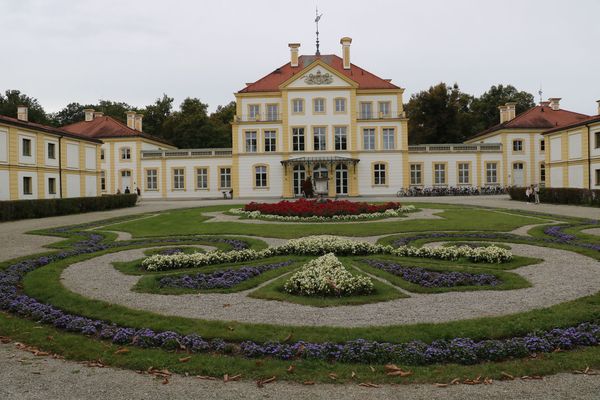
[[320, 180], [518, 176], [298, 178], [341, 179], [125, 180]]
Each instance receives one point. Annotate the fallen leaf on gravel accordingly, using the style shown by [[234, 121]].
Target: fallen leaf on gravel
[[368, 385], [165, 381], [586, 371], [536, 377], [122, 350], [226, 305], [262, 382], [5, 339], [95, 364], [394, 370], [185, 359], [488, 381], [440, 385], [455, 381], [208, 378], [227, 378], [291, 369], [308, 382]]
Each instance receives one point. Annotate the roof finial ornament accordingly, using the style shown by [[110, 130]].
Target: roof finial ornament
[[317, 18], [540, 93]]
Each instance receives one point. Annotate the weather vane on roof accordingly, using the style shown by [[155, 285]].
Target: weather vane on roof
[[540, 93], [317, 18]]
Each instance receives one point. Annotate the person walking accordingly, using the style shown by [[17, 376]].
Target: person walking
[[127, 191], [528, 193], [536, 194]]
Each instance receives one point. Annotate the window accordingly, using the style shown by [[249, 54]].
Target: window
[[416, 174], [297, 106], [339, 133], [251, 142], [26, 147], [102, 154], [51, 185], [388, 138], [517, 145], [27, 188], [260, 176], [463, 173], [125, 153], [542, 172], [379, 177], [272, 112], [52, 151], [319, 106], [225, 178], [597, 137], [542, 145], [103, 181], [179, 179], [491, 173], [439, 174], [384, 108], [598, 177], [151, 179], [369, 139], [366, 111], [319, 140], [201, 178], [253, 111], [270, 140], [340, 105], [298, 139]]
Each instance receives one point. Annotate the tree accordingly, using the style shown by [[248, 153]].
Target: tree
[[221, 122], [72, 113], [439, 115], [187, 128], [485, 108], [155, 115], [14, 98]]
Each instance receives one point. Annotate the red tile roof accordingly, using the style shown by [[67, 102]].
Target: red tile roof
[[45, 128], [538, 117], [589, 120], [106, 127], [364, 79]]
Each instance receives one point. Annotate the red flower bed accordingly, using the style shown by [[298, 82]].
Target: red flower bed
[[311, 208]]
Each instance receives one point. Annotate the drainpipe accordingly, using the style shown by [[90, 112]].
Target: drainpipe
[[589, 158], [60, 168]]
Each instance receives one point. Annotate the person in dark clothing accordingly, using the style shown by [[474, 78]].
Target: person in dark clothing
[[127, 191], [138, 191]]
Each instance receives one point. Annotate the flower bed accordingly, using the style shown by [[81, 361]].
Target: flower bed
[[312, 208], [391, 212], [223, 279], [321, 245], [327, 276], [434, 279]]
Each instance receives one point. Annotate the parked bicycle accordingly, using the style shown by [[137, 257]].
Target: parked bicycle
[[434, 191]]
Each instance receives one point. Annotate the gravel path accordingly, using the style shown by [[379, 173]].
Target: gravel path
[[563, 276], [592, 231], [24, 376], [217, 216]]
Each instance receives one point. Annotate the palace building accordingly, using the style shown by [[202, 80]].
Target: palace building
[[317, 116]]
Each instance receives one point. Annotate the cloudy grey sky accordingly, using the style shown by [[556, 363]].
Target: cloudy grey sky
[[128, 50]]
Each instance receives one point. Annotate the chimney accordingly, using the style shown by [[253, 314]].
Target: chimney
[[23, 113], [598, 101], [138, 122], [345, 42], [503, 114], [511, 111], [89, 114], [130, 119], [554, 103], [98, 114], [294, 53]]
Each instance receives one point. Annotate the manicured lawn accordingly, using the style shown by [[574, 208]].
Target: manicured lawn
[[188, 222]]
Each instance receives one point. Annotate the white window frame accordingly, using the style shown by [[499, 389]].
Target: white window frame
[[178, 178], [368, 144], [439, 174], [261, 176], [251, 141], [297, 106], [125, 153], [272, 112], [270, 138], [379, 174], [340, 134], [202, 178], [29, 142], [225, 178], [340, 105], [491, 171], [152, 179], [52, 188], [319, 105], [416, 174], [319, 138], [389, 140], [464, 173], [298, 139]]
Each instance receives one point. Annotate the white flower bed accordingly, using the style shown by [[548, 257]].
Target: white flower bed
[[327, 276], [397, 212], [321, 245]]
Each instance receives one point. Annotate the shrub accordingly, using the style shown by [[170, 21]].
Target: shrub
[[22, 209], [560, 195]]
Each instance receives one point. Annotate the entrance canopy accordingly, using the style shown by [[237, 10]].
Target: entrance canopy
[[313, 161]]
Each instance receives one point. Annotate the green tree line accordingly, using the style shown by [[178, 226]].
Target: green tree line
[[441, 114]]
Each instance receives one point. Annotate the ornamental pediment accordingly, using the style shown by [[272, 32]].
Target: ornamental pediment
[[319, 77]]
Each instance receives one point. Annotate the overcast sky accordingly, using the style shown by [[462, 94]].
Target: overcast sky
[[134, 51]]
